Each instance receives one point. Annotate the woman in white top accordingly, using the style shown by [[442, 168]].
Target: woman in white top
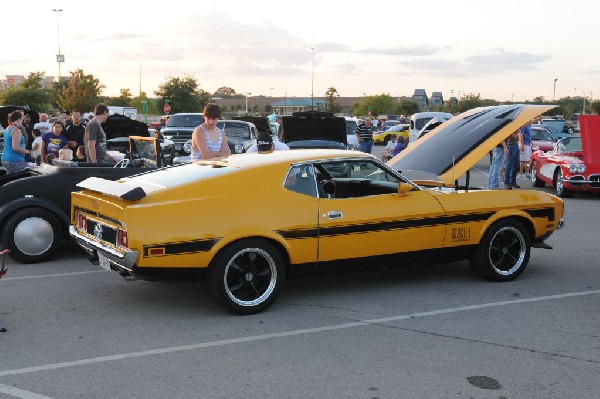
[[208, 141]]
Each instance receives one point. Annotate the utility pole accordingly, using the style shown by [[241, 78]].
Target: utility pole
[[59, 57]]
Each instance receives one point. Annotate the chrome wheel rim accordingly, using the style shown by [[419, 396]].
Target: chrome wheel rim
[[33, 236], [507, 250], [250, 277], [533, 172], [559, 182]]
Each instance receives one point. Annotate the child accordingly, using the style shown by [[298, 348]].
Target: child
[[36, 146]]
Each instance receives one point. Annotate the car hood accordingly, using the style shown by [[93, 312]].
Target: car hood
[[314, 126], [5, 110], [589, 126], [117, 125], [455, 146], [261, 122]]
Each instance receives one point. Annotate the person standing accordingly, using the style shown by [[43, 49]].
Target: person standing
[[36, 146], [512, 161], [208, 141], [94, 137], [75, 131], [498, 154], [364, 133], [14, 153], [43, 125], [28, 130], [53, 142], [524, 151]]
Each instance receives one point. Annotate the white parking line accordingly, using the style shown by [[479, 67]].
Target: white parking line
[[51, 275], [225, 342], [19, 393]]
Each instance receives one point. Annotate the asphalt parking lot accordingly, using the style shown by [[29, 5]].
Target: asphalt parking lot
[[76, 331]]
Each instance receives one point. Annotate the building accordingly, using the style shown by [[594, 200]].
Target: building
[[15, 80], [420, 96], [436, 98]]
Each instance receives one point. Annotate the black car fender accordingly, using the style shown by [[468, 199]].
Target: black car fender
[[34, 202]]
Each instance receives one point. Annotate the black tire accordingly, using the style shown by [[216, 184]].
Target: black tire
[[503, 252], [537, 182], [561, 191], [32, 235], [246, 276]]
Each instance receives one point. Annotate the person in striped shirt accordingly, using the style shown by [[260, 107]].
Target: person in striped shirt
[[364, 133]]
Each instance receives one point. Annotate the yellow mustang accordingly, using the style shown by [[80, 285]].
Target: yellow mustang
[[247, 220]]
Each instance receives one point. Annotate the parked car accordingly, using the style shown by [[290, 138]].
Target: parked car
[[418, 121], [573, 164], [385, 125], [179, 128], [35, 204], [556, 135], [351, 126], [541, 139], [314, 129], [315, 208], [430, 125], [383, 136]]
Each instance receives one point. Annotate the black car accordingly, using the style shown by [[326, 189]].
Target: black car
[[314, 129], [35, 204], [180, 127]]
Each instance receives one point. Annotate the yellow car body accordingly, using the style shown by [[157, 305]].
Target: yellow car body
[[249, 219], [383, 136]]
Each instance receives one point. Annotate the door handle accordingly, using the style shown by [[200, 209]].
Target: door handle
[[334, 215]]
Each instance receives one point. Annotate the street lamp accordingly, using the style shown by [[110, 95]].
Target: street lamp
[[140, 74], [312, 79], [247, 95], [554, 93], [59, 57]]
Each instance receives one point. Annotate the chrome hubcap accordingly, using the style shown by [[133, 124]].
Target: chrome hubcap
[[33, 236], [250, 277], [507, 250]]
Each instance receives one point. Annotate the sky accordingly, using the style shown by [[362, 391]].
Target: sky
[[504, 50]]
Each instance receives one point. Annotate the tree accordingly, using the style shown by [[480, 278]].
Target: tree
[[33, 80], [184, 94], [224, 92], [379, 104], [332, 97], [124, 100], [595, 106], [36, 98], [470, 101], [407, 106], [82, 92]]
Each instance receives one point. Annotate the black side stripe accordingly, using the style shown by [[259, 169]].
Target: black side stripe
[[542, 213], [176, 248]]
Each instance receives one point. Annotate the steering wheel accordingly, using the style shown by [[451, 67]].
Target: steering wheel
[[329, 187]]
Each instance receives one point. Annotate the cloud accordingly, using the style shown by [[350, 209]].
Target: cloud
[[403, 51], [508, 59]]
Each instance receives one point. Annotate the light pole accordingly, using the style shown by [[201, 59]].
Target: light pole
[[312, 79], [59, 57], [554, 92], [247, 95], [583, 108], [140, 74]]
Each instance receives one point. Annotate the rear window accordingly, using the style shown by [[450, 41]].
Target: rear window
[[351, 127], [185, 120]]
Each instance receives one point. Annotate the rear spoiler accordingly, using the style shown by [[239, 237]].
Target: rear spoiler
[[120, 188]]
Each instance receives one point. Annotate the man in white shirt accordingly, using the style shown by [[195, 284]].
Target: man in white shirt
[[386, 155], [43, 125], [264, 143]]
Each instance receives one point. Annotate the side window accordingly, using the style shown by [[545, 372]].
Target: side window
[[301, 179]]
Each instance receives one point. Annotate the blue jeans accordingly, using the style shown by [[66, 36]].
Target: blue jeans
[[365, 146], [512, 165], [495, 167]]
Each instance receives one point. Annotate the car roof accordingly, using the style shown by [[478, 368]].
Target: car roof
[[255, 159]]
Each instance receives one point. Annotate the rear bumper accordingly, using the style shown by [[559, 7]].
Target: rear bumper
[[126, 259]]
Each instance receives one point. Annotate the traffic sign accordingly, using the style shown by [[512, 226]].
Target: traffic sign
[[167, 108]]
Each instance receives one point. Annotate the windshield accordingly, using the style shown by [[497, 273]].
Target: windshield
[[421, 122], [571, 144], [236, 129], [351, 127], [185, 120]]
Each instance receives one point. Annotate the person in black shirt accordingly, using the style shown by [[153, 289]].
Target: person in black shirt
[[75, 131]]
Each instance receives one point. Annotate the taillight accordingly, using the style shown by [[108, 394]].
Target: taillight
[[82, 222], [122, 238]]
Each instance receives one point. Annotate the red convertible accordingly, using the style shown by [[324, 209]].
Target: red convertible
[[573, 164]]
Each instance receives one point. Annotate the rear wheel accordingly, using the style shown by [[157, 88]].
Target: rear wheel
[[537, 182], [561, 190], [503, 252], [247, 276], [32, 235]]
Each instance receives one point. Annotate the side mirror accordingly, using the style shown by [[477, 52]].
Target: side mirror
[[404, 188]]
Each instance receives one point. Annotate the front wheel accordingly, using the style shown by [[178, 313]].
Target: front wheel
[[503, 252], [561, 190], [247, 276], [32, 235], [537, 182]]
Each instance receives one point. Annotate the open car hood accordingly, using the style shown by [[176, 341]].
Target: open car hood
[[118, 125], [455, 146], [261, 122], [313, 125], [589, 125]]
